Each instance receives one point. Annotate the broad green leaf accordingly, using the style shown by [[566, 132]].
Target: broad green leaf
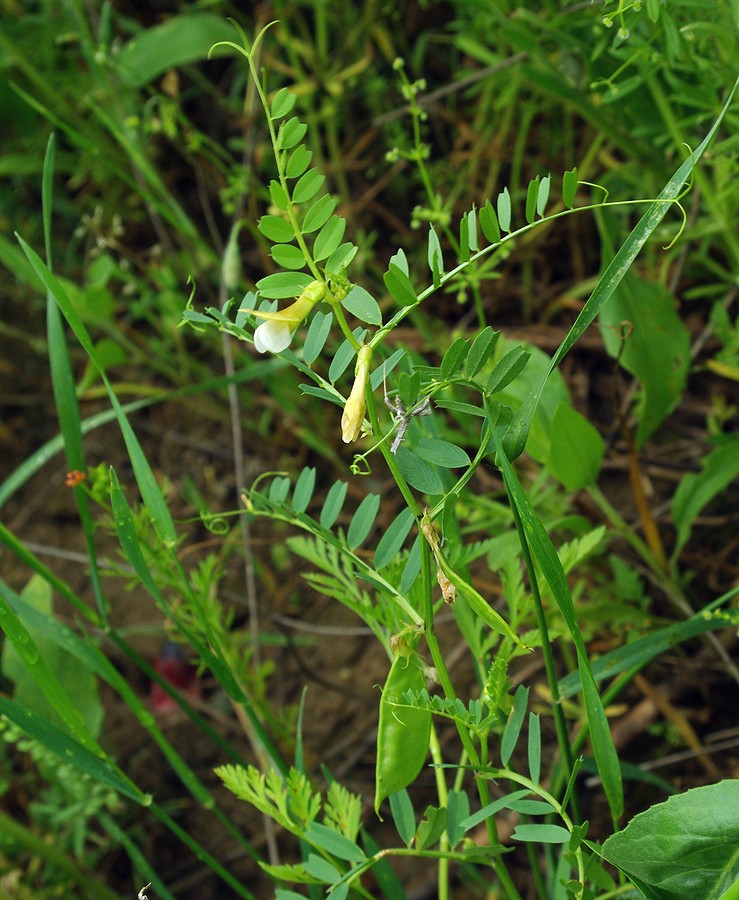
[[290, 133], [276, 229], [283, 103], [393, 539], [317, 335], [304, 487], [399, 286], [299, 161], [38, 669], [283, 285], [481, 350], [541, 834], [403, 733], [76, 679], [400, 260], [318, 214], [489, 223], [418, 473], [514, 724], [471, 219], [362, 305], [453, 358], [576, 449], [178, 41], [288, 256], [385, 368], [308, 186], [696, 489], [504, 210], [569, 188], [333, 842], [442, 453], [404, 817], [685, 847], [657, 350], [362, 520], [321, 869], [333, 504], [329, 238]]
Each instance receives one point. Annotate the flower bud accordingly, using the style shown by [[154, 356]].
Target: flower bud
[[356, 404]]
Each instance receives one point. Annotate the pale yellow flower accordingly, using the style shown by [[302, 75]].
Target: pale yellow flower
[[356, 404], [276, 332]]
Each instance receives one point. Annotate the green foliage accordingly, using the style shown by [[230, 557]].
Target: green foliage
[[458, 403]]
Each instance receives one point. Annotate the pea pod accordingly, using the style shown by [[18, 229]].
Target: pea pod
[[403, 733]]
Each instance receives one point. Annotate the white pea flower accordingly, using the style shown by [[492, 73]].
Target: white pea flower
[[276, 332]]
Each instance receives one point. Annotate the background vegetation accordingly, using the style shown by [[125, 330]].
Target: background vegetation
[[161, 168]]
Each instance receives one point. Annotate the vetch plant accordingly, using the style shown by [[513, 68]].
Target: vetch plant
[[429, 426]]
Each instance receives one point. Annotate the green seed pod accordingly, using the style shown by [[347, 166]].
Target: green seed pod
[[403, 733]]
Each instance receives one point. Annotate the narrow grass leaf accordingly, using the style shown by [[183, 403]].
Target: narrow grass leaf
[[333, 504], [39, 670], [391, 542], [611, 278], [70, 751], [551, 567], [362, 520], [514, 724], [385, 368], [150, 493]]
